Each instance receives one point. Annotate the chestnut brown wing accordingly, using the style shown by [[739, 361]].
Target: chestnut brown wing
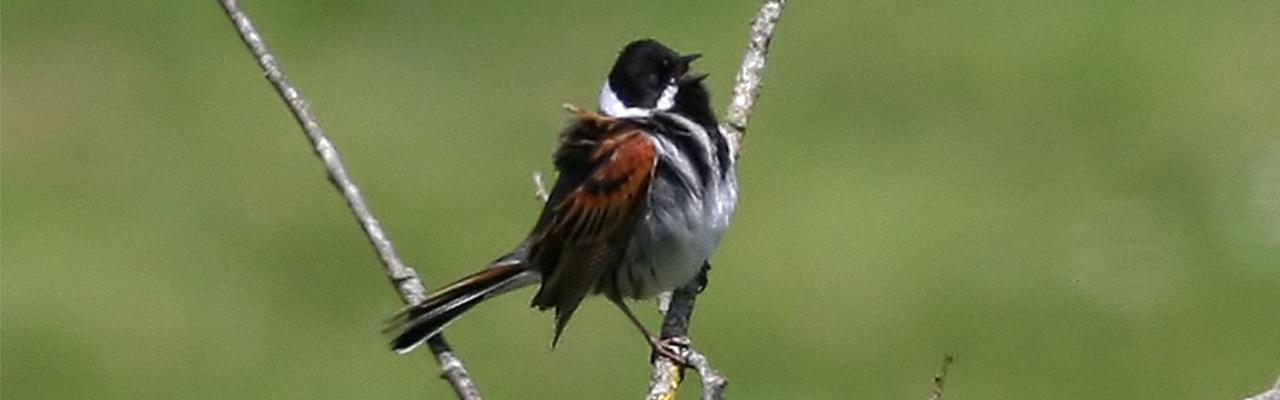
[[606, 167]]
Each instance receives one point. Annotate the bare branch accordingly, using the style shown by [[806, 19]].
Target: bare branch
[[404, 278], [940, 378], [668, 374], [452, 371], [1272, 394], [746, 86]]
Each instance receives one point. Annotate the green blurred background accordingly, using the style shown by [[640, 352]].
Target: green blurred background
[[1078, 200]]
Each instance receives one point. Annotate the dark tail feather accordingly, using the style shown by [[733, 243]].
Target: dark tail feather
[[421, 321]]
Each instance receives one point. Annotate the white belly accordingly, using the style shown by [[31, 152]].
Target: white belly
[[675, 237]]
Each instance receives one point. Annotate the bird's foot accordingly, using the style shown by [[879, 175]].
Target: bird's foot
[[672, 348]]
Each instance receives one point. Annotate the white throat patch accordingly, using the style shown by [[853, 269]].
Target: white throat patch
[[610, 104]]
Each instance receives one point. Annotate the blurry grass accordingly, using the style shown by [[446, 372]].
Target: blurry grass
[[1077, 200]]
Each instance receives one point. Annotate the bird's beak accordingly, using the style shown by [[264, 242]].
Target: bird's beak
[[691, 77], [686, 59], [688, 76]]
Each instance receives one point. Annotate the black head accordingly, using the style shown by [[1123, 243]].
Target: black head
[[645, 78]]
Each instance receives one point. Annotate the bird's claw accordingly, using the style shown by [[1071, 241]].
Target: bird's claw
[[672, 348]]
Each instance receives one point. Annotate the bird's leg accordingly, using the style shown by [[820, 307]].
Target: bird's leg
[[667, 348], [702, 276]]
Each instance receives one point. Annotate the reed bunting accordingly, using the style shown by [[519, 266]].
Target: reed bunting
[[645, 192]]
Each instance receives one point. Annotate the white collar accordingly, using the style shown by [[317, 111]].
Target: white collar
[[610, 104]]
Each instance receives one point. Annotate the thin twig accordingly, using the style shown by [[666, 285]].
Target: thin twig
[[402, 276], [667, 374], [540, 189], [940, 378]]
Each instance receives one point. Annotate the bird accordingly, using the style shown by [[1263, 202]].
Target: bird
[[645, 191]]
